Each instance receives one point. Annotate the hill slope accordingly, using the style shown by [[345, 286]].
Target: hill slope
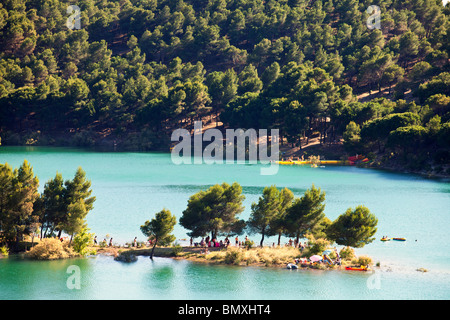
[[135, 70]]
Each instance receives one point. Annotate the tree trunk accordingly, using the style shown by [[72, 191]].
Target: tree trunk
[[279, 239], [153, 250], [16, 244], [262, 240]]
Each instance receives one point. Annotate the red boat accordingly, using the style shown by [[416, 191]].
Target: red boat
[[356, 158], [356, 269]]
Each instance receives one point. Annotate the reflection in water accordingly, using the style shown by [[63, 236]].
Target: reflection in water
[[191, 189], [163, 278]]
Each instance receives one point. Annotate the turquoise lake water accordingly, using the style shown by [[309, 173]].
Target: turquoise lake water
[[131, 187]]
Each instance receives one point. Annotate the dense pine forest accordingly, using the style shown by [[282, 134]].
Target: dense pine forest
[[137, 69]]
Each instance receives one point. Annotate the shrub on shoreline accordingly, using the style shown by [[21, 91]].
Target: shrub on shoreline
[[267, 256], [347, 253], [4, 251], [362, 261], [233, 256], [51, 249]]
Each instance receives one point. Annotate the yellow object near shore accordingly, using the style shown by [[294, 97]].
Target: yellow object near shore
[[322, 162]]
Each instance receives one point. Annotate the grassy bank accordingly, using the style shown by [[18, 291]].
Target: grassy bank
[[264, 257], [279, 257], [52, 249]]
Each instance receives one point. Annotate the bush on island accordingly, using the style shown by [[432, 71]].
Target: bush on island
[[347, 253], [362, 261], [51, 249]]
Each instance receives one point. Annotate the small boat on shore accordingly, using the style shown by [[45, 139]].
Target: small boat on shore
[[356, 269], [319, 163], [292, 266]]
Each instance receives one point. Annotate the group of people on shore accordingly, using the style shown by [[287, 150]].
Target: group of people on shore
[[305, 262], [292, 159], [104, 242], [211, 243], [295, 244], [110, 243], [208, 242]]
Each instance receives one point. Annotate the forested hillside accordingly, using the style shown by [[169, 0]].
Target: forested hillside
[[136, 70]]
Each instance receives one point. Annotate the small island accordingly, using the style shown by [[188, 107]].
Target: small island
[[52, 225], [270, 256]]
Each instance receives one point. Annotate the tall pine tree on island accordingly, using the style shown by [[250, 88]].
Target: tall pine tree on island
[[305, 213], [17, 197], [264, 212], [159, 229], [214, 211], [355, 228]]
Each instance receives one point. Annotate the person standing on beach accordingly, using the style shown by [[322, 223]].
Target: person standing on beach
[[237, 241]]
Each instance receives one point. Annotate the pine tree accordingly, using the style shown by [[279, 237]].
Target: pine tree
[[305, 213], [355, 228], [159, 229], [264, 212], [19, 211]]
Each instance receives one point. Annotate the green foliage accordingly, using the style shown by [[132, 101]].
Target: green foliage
[[437, 85], [160, 229], [362, 261], [18, 193], [63, 206], [347, 253], [81, 241], [248, 244], [264, 212], [407, 137], [355, 228], [51, 249], [233, 256], [278, 225], [60, 207], [305, 213], [352, 137], [317, 246], [122, 43], [214, 211], [137, 70], [177, 250], [4, 251]]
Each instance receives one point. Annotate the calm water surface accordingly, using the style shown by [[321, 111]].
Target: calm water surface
[[131, 187]]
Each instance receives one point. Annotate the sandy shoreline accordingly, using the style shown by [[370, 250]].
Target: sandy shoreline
[[194, 254]]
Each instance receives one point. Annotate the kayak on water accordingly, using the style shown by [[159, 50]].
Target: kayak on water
[[399, 239], [356, 269], [385, 239]]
